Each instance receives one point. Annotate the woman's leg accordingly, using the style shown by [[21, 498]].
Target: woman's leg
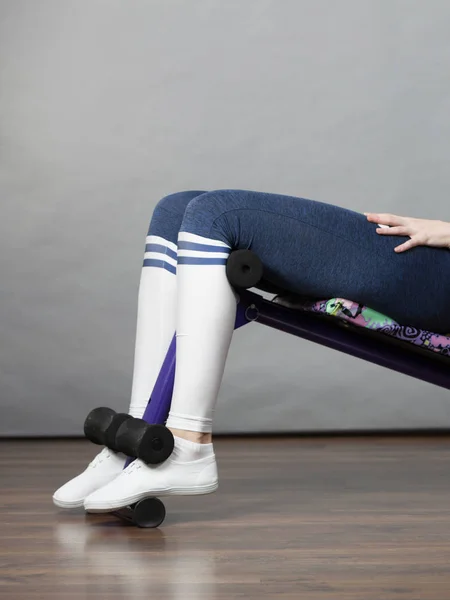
[[157, 297], [307, 247], [154, 331]]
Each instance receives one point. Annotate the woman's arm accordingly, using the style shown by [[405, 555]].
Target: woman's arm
[[423, 232]]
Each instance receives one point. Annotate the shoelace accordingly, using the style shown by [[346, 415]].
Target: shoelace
[[104, 454], [134, 466]]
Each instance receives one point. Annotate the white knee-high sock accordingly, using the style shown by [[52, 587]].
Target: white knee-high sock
[[206, 312], [155, 320]]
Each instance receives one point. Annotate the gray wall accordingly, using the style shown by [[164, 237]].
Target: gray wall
[[107, 105]]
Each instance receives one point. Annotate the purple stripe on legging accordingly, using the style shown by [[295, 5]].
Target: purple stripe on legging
[[202, 247], [161, 250], [162, 264], [191, 260]]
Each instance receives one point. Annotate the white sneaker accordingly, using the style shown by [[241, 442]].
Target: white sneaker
[[105, 467], [172, 477]]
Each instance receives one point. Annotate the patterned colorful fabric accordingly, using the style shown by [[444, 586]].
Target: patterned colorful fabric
[[363, 316]]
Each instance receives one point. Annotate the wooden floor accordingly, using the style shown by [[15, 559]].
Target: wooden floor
[[294, 518]]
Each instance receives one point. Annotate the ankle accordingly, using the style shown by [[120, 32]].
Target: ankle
[[193, 436]]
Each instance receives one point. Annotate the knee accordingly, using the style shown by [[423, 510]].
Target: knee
[[168, 214], [178, 202], [205, 215], [215, 202]]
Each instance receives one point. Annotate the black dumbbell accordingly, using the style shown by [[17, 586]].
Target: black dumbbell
[[153, 444], [149, 512], [101, 426]]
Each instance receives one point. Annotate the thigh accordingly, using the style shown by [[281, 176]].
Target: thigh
[[321, 250]]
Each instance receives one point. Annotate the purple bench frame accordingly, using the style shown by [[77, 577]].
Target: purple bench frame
[[328, 331]]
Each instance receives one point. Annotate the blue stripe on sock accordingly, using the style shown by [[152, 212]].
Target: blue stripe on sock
[[161, 250], [162, 264], [195, 260], [202, 247]]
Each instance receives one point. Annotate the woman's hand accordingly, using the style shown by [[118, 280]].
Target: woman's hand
[[423, 232]]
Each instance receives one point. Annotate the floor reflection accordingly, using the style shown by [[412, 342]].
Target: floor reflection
[[115, 560]]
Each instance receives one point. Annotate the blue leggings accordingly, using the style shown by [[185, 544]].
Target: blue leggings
[[318, 250]]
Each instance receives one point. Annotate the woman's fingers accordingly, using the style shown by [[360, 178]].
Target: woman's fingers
[[412, 243], [385, 219], [400, 230], [403, 231], [422, 232]]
